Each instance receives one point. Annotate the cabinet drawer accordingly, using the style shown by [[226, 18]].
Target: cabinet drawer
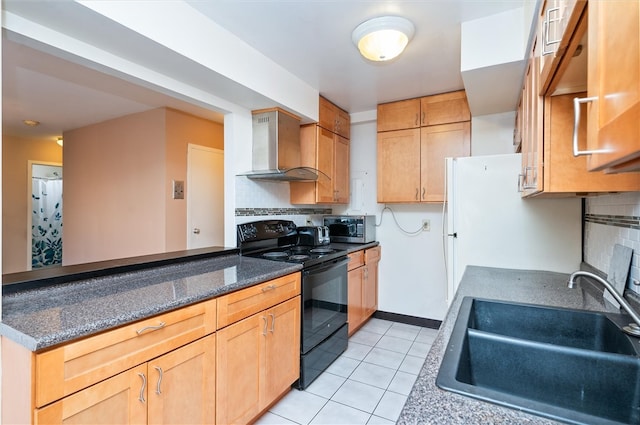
[[69, 368], [245, 302], [356, 259], [372, 255]]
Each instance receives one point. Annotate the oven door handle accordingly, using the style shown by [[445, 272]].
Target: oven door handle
[[326, 266]]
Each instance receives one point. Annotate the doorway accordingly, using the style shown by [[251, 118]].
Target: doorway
[[44, 218], [205, 197]]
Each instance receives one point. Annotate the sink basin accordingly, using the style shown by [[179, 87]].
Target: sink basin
[[569, 365]]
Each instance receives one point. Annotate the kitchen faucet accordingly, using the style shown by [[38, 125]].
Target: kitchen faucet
[[632, 328]]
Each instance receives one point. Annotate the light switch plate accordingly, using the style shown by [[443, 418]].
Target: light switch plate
[[178, 189]]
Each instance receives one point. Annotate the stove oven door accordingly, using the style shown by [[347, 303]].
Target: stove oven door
[[324, 301]]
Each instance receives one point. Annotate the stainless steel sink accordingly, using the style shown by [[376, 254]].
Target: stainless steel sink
[[570, 365]]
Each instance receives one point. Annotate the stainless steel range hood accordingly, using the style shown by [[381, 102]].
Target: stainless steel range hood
[[276, 148]]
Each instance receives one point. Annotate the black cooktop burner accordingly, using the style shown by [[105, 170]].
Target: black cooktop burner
[[277, 240]]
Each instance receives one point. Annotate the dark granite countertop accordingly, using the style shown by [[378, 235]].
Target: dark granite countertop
[[428, 404], [353, 247], [44, 317]]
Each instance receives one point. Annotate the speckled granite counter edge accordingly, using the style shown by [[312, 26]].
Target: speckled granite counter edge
[[30, 336], [428, 404]]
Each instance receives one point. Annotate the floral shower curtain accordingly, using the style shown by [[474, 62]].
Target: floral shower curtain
[[46, 224]]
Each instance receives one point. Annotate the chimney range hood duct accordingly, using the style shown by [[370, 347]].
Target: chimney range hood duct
[[276, 148]]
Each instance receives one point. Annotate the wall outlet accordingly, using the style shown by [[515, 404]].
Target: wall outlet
[[426, 225], [178, 189]]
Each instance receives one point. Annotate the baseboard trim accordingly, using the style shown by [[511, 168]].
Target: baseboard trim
[[409, 320]]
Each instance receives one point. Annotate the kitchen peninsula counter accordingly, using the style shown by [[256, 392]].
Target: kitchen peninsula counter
[[428, 404], [47, 316]]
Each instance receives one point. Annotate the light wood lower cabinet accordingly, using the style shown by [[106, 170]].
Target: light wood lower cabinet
[[178, 387], [258, 360], [165, 369], [363, 286]]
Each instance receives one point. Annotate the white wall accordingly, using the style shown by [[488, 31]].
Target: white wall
[[492, 134]]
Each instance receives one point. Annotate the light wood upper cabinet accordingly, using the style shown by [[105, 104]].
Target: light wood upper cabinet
[[329, 153], [334, 119], [614, 81], [556, 27], [444, 108], [399, 115], [411, 159], [547, 115], [436, 143], [399, 166]]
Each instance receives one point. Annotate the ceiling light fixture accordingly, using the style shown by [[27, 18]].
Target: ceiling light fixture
[[383, 38], [31, 123], [59, 141]]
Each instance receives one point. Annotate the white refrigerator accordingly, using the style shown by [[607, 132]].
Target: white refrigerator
[[489, 224]]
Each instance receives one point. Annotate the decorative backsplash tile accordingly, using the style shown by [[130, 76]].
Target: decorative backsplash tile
[[281, 211], [610, 220], [630, 222]]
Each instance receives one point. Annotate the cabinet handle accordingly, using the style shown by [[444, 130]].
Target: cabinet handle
[[423, 192], [576, 124], [520, 182], [273, 322], [269, 288], [526, 178], [159, 369], [264, 329], [546, 27], [144, 386], [423, 117], [151, 328], [417, 192]]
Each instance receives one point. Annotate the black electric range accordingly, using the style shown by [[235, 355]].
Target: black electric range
[[324, 332]]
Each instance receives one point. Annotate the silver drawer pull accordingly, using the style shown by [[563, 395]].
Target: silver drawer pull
[[269, 288], [273, 322], [151, 328], [576, 124]]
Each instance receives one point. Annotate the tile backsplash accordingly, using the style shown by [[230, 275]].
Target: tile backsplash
[[267, 200], [610, 220]]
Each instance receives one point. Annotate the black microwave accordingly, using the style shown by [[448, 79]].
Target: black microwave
[[351, 228]]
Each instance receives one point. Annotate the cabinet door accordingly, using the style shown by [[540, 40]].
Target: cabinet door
[[532, 137], [444, 108], [354, 296], [325, 159], [399, 166], [399, 115], [120, 399], [239, 359], [282, 350], [344, 124], [614, 79], [437, 143], [341, 170], [370, 282], [182, 385]]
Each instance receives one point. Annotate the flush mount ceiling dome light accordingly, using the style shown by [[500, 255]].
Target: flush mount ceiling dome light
[[383, 38]]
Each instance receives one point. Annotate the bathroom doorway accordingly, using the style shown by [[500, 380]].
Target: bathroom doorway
[[44, 218]]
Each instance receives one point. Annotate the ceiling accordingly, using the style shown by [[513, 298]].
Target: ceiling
[[309, 38]]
